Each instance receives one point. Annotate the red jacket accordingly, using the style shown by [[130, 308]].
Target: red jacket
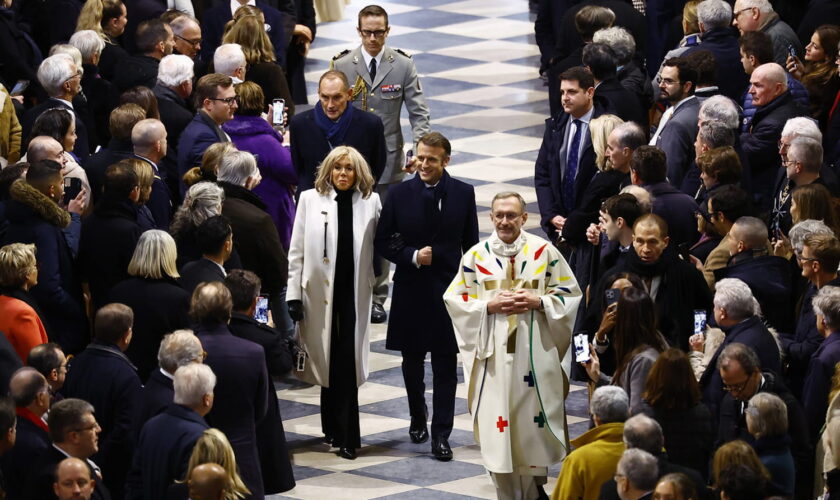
[[21, 325]]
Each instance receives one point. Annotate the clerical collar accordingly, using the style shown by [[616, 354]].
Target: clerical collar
[[499, 247]]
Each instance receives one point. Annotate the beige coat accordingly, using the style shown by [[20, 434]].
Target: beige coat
[[10, 130]]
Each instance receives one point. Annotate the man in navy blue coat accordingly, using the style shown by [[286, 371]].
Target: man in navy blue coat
[[213, 27], [150, 145], [822, 366], [426, 225], [242, 396], [167, 440], [103, 376], [332, 123], [31, 394], [215, 100]]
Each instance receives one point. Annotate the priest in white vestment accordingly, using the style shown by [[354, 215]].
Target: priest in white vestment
[[513, 305]]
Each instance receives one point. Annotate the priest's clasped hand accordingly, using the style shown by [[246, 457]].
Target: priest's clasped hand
[[513, 302]]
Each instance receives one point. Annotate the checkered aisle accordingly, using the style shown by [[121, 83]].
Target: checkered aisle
[[478, 65]]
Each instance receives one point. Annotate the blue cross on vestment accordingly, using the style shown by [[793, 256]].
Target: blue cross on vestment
[[540, 420], [529, 378]]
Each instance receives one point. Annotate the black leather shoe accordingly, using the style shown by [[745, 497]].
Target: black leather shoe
[[418, 431], [350, 453], [377, 313], [441, 450], [328, 439]]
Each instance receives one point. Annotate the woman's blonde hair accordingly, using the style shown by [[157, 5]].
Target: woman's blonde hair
[[154, 256], [600, 129], [209, 163], [213, 447], [690, 22], [737, 452], [249, 32], [364, 180], [16, 260], [145, 175], [96, 12]]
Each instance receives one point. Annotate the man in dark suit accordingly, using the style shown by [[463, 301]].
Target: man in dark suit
[[31, 394], [214, 20], [215, 102], [9, 361], [120, 123], [601, 60], [150, 145], [154, 40], [815, 393], [74, 431], [50, 362], [62, 80], [333, 122], [677, 129], [167, 440], [173, 88], [244, 288], [426, 225], [566, 161], [106, 378], [215, 242], [242, 391]]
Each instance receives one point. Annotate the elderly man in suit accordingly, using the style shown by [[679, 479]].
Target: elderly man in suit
[[677, 129], [332, 123], [424, 234], [383, 80], [566, 161]]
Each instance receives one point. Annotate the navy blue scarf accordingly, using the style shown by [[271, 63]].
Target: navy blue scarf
[[335, 131]]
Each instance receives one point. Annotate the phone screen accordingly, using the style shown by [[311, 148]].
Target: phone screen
[[278, 105], [72, 188], [611, 296], [261, 312], [20, 87], [581, 348], [699, 321]]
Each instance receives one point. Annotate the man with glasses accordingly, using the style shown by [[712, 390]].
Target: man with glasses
[[187, 36], [740, 378], [215, 102], [721, 210], [426, 224], [758, 15], [74, 433], [385, 79]]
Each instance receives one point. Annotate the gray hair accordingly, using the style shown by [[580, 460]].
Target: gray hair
[[716, 134], [720, 108], [763, 5], [618, 39], [203, 201], [803, 229], [807, 151], [54, 71], [70, 50], [640, 468], [751, 230], [146, 133], [509, 194], [228, 58], [802, 126], [645, 433], [743, 354], [155, 256], [714, 14], [610, 404], [181, 23], [736, 298], [630, 135], [89, 44], [766, 415], [236, 167], [643, 197], [174, 70], [192, 382], [826, 303], [179, 348]]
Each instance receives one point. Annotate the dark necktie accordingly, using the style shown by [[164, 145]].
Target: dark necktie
[[571, 168], [372, 70]]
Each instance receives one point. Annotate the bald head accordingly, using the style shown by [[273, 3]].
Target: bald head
[[73, 480], [767, 82], [44, 148], [208, 482], [149, 139], [26, 386]]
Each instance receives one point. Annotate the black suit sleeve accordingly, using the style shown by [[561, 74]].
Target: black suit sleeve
[[549, 204], [387, 242], [470, 236], [381, 150]]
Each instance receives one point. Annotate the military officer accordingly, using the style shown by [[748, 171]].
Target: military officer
[[383, 79]]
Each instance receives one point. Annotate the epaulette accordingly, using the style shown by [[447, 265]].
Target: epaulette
[[341, 54], [403, 53]]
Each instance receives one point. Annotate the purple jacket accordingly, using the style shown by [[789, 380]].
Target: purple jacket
[[255, 135]]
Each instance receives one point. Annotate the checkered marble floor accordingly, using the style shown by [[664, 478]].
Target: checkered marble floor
[[478, 63]]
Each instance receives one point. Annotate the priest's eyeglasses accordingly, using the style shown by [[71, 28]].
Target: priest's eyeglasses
[[499, 217]]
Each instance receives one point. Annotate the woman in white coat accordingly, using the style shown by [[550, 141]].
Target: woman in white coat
[[330, 285]]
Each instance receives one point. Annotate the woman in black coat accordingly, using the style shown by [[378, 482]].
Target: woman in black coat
[[160, 305], [203, 200]]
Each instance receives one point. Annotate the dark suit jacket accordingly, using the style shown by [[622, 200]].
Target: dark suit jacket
[[81, 149], [278, 357], [404, 227], [624, 103], [139, 70], [158, 393], [818, 383], [768, 276], [729, 73], [40, 483], [309, 146], [242, 396], [213, 27], [160, 307], [31, 442], [160, 200], [551, 164], [199, 271], [9, 361], [602, 186], [97, 163], [195, 139], [175, 114], [103, 376], [677, 140], [677, 208], [163, 452]]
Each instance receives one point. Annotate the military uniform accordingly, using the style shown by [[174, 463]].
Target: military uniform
[[396, 83]]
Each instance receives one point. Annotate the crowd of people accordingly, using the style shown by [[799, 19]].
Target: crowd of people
[[175, 235]]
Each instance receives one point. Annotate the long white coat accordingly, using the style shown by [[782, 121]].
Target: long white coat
[[312, 271]]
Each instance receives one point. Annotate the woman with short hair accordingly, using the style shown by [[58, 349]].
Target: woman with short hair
[[19, 320]]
